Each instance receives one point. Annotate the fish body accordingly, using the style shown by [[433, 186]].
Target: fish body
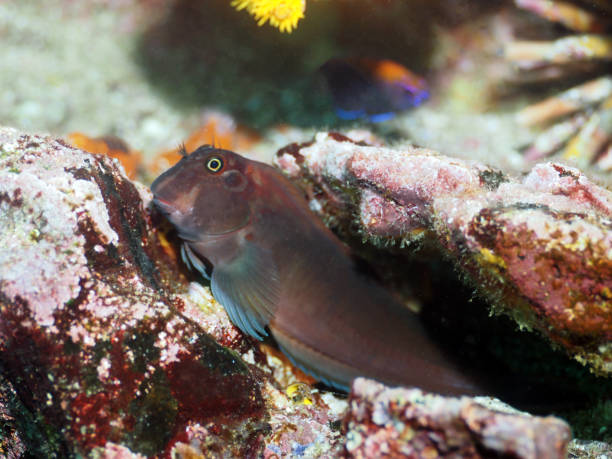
[[276, 268], [372, 88]]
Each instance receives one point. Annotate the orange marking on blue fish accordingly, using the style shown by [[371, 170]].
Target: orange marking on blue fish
[[277, 269], [375, 89]]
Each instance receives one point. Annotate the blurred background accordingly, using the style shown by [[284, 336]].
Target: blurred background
[[153, 73]]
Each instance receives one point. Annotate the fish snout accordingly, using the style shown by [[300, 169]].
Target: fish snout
[[164, 206]]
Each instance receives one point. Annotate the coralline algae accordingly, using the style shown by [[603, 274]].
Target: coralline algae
[[105, 345], [107, 348], [540, 247], [409, 423]]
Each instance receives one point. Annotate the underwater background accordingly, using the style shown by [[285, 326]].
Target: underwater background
[[437, 123]]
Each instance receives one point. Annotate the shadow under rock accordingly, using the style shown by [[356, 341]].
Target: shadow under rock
[[520, 367]]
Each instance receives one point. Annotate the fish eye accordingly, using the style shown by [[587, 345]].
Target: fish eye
[[214, 164]]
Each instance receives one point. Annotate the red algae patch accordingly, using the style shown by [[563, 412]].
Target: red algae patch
[[205, 394], [87, 331]]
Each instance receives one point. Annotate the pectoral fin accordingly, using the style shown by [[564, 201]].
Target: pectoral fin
[[192, 261], [248, 288]]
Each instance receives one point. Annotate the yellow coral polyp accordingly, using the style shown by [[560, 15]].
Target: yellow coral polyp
[[283, 14]]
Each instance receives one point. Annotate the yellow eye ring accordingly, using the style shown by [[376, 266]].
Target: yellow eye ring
[[214, 164]]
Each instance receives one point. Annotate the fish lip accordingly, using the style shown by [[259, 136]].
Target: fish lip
[[168, 211], [164, 206]]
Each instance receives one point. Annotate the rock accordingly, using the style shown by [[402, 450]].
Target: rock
[[589, 450], [539, 248], [109, 349], [104, 342], [11, 445], [407, 422]]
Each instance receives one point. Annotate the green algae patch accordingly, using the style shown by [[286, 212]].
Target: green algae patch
[[491, 179], [39, 438], [142, 344], [154, 414], [220, 358]]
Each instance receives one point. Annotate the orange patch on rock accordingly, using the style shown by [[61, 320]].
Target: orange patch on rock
[[109, 146]]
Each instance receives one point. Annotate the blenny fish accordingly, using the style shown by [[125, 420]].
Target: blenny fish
[[277, 269], [372, 88]]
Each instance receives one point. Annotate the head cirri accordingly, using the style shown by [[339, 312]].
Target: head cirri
[[205, 193]]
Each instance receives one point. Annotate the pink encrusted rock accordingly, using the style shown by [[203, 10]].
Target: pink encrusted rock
[[539, 247], [107, 349], [396, 422], [105, 344], [579, 449], [11, 445]]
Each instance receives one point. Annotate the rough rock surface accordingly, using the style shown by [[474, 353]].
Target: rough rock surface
[[589, 450], [104, 343], [539, 247], [407, 422], [11, 445], [107, 348]]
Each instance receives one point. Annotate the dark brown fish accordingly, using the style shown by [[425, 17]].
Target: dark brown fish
[[277, 268]]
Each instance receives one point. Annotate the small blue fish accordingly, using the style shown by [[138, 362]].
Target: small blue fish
[[372, 89]]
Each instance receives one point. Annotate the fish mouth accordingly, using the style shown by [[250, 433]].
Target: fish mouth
[[171, 213], [164, 206]]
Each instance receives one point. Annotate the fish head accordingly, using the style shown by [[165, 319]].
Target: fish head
[[205, 193], [372, 88]]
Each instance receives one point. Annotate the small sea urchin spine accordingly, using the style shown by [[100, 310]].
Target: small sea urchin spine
[[530, 54], [571, 16]]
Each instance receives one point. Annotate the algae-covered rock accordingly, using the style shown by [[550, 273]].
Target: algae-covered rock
[[104, 343], [539, 247], [109, 349], [407, 422], [11, 444]]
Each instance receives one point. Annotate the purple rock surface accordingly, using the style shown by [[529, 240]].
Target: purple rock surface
[[409, 423], [539, 247]]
